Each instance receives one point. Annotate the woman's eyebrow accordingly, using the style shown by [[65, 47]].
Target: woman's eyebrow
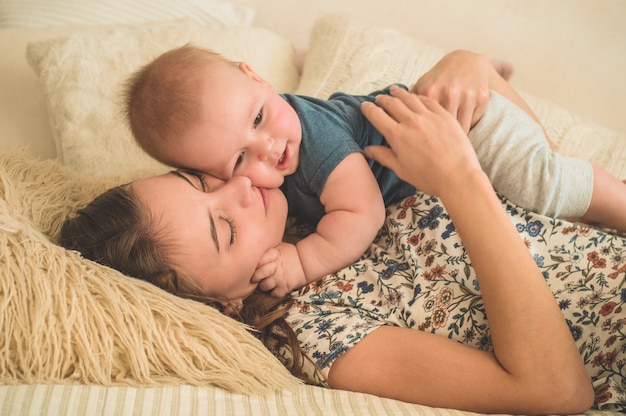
[[214, 232]]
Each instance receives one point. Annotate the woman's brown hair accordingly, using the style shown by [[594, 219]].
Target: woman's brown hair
[[115, 230]]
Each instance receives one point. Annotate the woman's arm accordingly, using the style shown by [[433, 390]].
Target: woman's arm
[[535, 366]]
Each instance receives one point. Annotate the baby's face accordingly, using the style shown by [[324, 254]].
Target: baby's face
[[246, 129]]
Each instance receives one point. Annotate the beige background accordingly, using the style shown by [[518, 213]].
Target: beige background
[[572, 52]]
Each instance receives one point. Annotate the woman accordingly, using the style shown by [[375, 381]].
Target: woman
[[535, 366]]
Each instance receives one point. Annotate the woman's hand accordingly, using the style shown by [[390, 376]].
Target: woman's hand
[[428, 148], [460, 82]]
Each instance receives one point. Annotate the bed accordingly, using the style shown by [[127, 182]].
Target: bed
[[80, 338]]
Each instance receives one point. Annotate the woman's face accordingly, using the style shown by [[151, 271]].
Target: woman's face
[[219, 230]]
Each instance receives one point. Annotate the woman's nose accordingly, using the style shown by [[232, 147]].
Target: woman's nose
[[240, 190]]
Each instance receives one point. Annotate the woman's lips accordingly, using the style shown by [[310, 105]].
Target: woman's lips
[[265, 197]]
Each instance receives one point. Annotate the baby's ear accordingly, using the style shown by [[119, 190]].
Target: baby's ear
[[247, 69]]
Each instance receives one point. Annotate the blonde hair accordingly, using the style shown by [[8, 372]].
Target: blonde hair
[[162, 98]]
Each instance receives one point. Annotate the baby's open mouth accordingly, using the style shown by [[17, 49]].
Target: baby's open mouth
[[283, 161]]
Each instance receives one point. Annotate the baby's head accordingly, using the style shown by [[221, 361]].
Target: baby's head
[[193, 108]]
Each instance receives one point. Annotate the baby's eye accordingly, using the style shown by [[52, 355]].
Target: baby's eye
[[239, 160], [258, 118]]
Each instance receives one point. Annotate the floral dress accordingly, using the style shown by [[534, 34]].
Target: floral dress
[[418, 275]]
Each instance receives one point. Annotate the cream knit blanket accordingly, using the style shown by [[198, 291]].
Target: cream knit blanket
[[65, 319]]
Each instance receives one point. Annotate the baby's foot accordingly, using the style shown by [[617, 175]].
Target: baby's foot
[[504, 68]]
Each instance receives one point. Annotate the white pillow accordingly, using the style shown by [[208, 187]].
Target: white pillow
[[98, 12], [23, 113], [346, 55], [83, 76]]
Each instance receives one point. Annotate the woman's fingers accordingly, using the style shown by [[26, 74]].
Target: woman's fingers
[[464, 117], [427, 145], [400, 103], [383, 155], [390, 111]]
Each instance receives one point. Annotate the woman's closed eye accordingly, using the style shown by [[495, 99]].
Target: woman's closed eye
[[233, 229]]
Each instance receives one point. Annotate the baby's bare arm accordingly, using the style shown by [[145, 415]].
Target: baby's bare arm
[[355, 211]]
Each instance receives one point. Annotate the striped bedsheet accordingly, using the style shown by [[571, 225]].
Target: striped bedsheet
[[59, 400]]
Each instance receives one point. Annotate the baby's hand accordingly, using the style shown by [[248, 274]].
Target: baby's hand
[[280, 271]]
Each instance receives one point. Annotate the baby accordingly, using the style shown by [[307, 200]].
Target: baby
[[192, 108]]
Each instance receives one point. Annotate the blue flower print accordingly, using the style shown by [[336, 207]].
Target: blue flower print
[[534, 228], [339, 329], [365, 287], [394, 285], [324, 326], [392, 267], [430, 220], [416, 291], [576, 330], [450, 228]]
